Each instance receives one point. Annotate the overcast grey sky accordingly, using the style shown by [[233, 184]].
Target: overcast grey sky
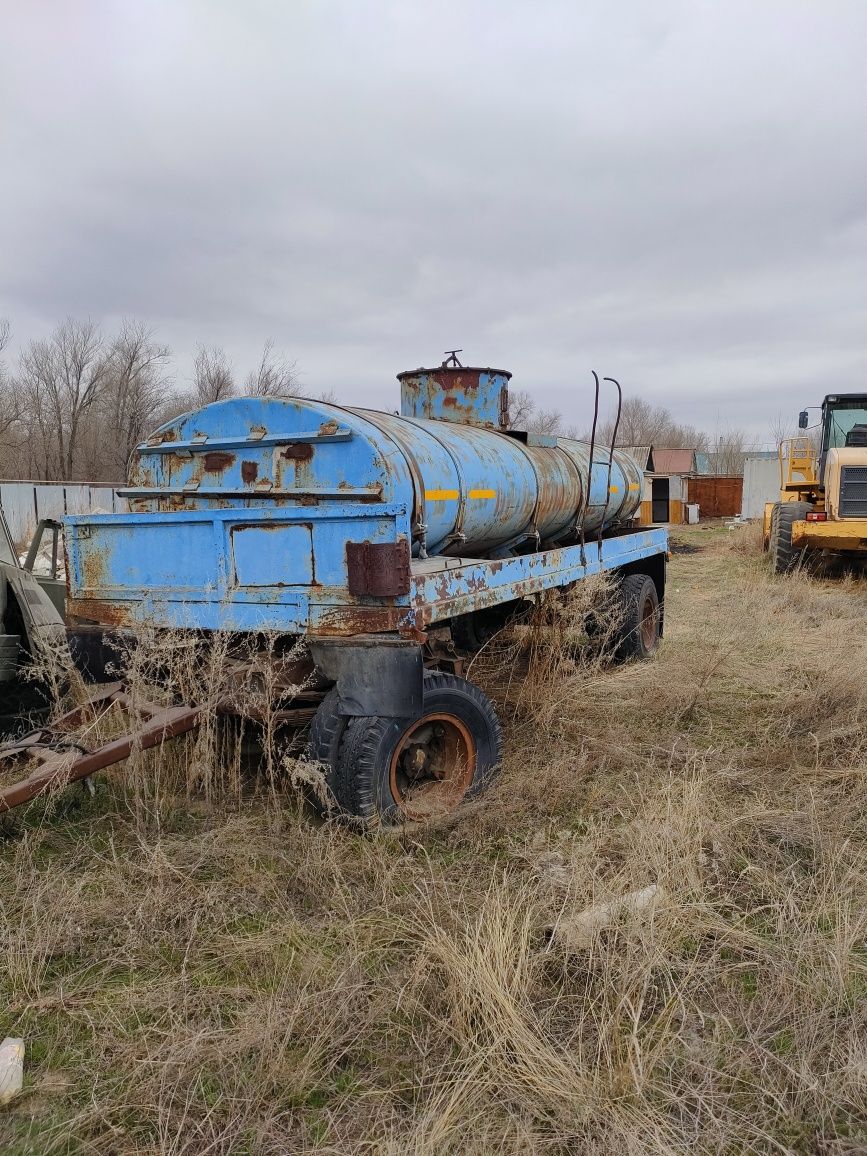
[[674, 192]]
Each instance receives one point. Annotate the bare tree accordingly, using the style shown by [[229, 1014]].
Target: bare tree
[[525, 414], [274, 377], [521, 408], [782, 428], [643, 424], [11, 409], [134, 395], [61, 381], [730, 447], [213, 376]]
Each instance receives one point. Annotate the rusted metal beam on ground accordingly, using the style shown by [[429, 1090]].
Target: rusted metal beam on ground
[[101, 697], [58, 770]]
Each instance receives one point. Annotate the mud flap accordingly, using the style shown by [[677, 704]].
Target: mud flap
[[374, 676]]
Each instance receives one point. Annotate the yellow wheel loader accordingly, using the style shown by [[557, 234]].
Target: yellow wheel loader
[[823, 488]]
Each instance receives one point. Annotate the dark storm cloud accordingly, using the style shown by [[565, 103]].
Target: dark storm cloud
[[676, 193]]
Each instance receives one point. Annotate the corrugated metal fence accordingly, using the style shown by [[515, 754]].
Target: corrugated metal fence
[[761, 484], [24, 503]]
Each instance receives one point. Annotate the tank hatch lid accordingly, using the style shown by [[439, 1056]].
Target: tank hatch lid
[[470, 395]]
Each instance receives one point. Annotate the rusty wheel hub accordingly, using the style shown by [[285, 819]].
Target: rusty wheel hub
[[432, 766], [648, 623]]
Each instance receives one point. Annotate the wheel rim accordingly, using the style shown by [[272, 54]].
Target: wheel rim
[[432, 766], [648, 623]]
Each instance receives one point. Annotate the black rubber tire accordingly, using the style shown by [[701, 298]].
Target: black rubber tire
[[24, 704], [784, 556], [638, 598], [363, 787], [471, 631], [326, 731]]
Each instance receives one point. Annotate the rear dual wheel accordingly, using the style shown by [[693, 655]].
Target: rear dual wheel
[[639, 618], [636, 628], [397, 770]]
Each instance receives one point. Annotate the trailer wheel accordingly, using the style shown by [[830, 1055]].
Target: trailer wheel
[[395, 769], [471, 631], [784, 556], [640, 618], [326, 731]]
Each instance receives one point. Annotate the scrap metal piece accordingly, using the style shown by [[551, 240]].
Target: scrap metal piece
[[63, 761]]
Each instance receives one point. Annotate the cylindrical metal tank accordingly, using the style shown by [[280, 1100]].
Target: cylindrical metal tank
[[469, 488], [477, 489]]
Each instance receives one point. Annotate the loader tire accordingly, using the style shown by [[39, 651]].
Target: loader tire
[[784, 556]]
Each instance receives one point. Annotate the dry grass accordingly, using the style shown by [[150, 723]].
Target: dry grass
[[238, 977]]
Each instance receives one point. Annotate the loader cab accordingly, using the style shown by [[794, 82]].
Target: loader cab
[[843, 455], [844, 423]]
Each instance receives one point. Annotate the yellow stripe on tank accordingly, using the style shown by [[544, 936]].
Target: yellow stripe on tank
[[614, 489], [634, 486], [453, 495]]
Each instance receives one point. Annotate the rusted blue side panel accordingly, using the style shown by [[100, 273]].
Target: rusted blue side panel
[[259, 568], [444, 588], [286, 570]]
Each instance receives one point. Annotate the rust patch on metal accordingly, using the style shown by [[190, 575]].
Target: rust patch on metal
[[218, 460], [358, 620], [249, 472], [299, 452], [378, 569], [95, 610], [93, 569]]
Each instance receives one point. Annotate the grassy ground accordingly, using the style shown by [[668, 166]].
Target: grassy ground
[[238, 978]]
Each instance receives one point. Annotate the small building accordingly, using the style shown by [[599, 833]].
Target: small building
[[663, 492]]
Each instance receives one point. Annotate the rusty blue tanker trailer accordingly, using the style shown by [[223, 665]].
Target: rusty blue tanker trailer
[[374, 537]]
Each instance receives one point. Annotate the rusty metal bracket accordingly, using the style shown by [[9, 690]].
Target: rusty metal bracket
[[378, 569]]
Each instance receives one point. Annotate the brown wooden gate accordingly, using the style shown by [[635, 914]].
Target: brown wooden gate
[[716, 497]]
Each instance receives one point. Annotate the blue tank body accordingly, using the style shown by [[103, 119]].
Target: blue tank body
[[303, 516], [472, 490]]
